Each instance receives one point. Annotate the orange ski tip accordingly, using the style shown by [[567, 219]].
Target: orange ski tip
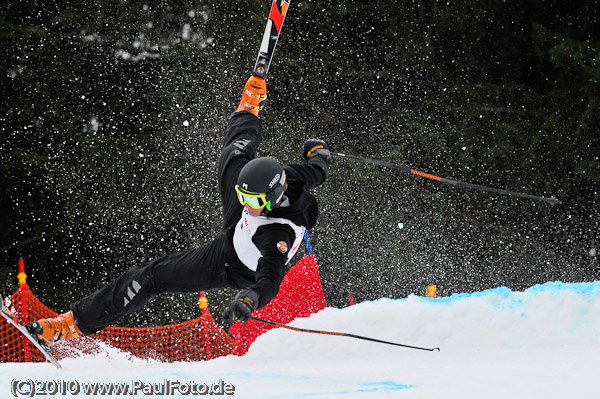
[[284, 7]]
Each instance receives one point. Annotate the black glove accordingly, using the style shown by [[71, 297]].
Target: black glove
[[315, 147], [242, 306]]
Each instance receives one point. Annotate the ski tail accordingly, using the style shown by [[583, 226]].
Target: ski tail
[[277, 15], [11, 318]]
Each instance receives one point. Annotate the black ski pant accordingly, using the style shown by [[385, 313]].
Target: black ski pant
[[192, 271]]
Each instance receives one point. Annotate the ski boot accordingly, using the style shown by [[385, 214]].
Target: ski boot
[[254, 96], [56, 329]]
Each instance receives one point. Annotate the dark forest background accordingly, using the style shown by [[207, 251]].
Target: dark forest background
[[112, 117]]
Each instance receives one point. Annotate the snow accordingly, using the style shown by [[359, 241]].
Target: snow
[[540, 343]]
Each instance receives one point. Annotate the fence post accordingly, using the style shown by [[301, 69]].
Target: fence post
[[203, 305], [24, 306]]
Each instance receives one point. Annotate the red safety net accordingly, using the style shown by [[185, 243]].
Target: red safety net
[[300, 295]]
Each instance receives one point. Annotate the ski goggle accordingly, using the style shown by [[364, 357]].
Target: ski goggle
[[254, 200]]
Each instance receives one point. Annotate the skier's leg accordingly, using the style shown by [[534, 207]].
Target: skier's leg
[[186, 272], [242, 139]]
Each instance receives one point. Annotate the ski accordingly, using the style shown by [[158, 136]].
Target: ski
[[12, 319], [267, 47]]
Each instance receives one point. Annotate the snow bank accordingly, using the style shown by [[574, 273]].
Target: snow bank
[[543, 342]]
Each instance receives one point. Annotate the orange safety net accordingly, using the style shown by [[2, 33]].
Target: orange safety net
[[198, 339], [300, 295], [14, 346]]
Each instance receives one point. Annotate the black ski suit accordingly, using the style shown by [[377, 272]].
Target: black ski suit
[[218, 264]]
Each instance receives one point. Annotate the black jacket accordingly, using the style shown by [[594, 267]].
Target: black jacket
[[242, 138]]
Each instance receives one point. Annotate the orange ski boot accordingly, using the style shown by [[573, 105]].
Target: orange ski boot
[[56, 329], [254, 96]]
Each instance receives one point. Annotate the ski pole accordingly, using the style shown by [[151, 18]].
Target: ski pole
[[550, 200], [340, 334]]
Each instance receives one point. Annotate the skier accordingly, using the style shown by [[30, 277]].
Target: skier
[[266, 209]]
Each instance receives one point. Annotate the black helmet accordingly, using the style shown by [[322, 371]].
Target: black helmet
[[262, 176]]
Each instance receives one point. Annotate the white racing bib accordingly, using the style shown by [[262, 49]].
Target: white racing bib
[[245, 229]]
